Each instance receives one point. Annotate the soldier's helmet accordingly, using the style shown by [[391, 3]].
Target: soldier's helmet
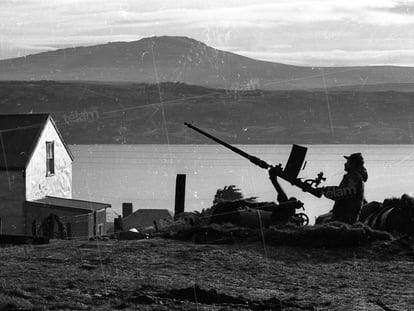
[[355, 158]]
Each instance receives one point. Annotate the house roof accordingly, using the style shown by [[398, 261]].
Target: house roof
[[19, 134], [72, 203], [145, 217]]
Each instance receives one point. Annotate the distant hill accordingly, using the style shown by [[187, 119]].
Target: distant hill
[[181, 59], [382, 87], [110, 113]]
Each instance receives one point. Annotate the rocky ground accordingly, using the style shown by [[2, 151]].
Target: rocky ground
[[163, 274]]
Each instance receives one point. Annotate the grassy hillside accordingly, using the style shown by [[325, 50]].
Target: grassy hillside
[[142, 113]]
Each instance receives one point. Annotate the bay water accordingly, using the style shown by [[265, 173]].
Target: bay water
[[145, 175]]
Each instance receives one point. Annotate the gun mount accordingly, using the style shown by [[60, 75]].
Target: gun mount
[[289, 173]]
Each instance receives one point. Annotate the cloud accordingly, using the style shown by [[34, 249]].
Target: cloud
[[403, 7], [283, 11], [253, 26], [384, 18], [337, 57]]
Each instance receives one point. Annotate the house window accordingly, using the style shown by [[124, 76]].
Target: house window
[[50, 158]]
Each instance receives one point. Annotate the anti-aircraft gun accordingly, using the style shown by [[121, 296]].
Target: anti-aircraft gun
[[289, 173]]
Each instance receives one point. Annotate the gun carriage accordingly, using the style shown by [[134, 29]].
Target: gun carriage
[[289, 173]]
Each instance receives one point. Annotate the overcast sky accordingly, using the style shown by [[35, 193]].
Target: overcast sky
[[302, 32]]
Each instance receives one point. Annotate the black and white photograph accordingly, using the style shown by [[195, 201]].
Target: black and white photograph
[[207, 155]]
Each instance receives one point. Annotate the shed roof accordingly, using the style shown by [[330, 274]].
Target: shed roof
[[19, 134], [145, 217], [72, 203]]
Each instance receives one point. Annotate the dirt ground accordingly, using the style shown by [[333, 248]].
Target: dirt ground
[[162, 274]]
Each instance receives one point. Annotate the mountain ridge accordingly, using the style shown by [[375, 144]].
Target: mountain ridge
[[186, 60]]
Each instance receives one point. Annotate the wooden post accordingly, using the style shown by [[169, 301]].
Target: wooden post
[[179, 194], [94, 223], [118, 224]]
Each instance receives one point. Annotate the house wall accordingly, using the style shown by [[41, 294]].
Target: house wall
[[38, 185], [101, 220], [81, 222], [12, 193], [79, 226], [78, 223]]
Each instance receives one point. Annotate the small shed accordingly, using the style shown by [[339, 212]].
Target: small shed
[[144, 218], [81, 218]]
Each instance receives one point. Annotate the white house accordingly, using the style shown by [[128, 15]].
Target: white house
[[36, 178]]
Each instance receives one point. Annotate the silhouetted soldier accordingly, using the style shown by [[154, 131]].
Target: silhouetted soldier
[[349, 195]]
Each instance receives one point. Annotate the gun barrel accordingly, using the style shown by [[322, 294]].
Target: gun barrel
[[251, 158], [259, 162]]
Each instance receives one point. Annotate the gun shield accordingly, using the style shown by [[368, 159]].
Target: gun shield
[[295, 161]]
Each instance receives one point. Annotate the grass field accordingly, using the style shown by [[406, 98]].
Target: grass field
[[161, 274]]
